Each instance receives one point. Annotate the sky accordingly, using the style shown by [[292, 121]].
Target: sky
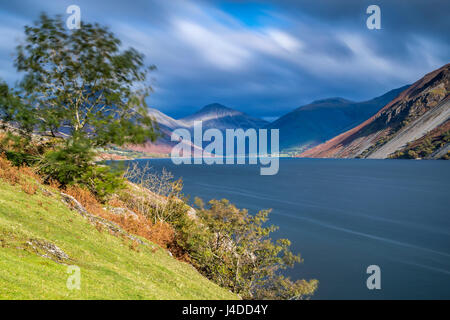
[[265, 58]]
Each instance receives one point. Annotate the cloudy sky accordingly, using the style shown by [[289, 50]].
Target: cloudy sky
[[262, 57]]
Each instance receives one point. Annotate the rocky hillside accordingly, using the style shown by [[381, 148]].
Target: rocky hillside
[[418, 110], [434, 145]]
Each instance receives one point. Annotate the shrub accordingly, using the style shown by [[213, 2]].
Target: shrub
[[103, 181], [18, 149], [73, 164], [164, 202], [67, 164], [234, 249]]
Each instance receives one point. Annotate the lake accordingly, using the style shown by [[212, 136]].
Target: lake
[[344, 215]]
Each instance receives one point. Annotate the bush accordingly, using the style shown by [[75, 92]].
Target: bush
[[234, 249], [164, 202], [73, 164], [67, 164], [19, 149], [103, 181]]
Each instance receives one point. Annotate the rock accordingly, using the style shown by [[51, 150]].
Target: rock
[[122, 212], [48, 250]]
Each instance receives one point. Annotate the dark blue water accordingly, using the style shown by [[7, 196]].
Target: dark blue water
[[344, 215]]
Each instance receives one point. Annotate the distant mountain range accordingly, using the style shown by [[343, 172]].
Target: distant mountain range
[[212, 116], [336, 127], [422, 110], [312, 124]]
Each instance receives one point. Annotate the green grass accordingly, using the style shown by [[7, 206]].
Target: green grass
[[110, 269]]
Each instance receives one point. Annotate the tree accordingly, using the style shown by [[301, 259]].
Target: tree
[[79, 88], [239, 254], [79, 84]]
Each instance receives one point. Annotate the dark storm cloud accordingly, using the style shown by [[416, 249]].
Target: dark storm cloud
[[428, 17], [265, 57], [402, 20]]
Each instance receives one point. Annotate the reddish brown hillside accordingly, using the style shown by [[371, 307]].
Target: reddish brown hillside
[[410, 105]]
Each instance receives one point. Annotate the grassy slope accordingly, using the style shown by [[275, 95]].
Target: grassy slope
[[109, 268]]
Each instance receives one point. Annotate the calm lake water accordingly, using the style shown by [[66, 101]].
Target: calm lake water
[[344, 215]]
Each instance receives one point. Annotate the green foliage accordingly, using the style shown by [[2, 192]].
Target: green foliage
[[81, 90], [12, 109], [102, 181], [80, 83], [20, 159], [67, 163], [72, 164], [234, 249], [15, 148]]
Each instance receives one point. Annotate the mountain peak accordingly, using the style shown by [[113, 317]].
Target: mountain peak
[[217, 108], [333, 100], [216, 115], [213, 110]]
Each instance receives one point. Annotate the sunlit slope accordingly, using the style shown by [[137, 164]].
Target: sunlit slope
[[111, 267]]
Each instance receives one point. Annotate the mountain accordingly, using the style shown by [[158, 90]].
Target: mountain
[[321, 120], [166, 125], [417, 111], [220, 117], [164, 121], [212, 116]]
